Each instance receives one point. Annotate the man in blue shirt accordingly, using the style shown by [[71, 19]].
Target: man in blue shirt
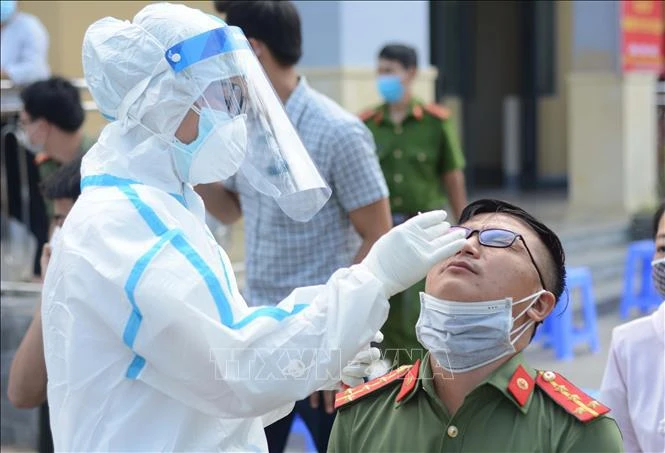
[[282, 254]]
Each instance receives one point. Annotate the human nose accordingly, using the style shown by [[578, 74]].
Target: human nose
[[471, 247]]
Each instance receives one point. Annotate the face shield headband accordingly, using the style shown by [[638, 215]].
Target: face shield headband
[[277, 163]]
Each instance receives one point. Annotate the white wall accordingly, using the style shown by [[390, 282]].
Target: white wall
[[351, 33]]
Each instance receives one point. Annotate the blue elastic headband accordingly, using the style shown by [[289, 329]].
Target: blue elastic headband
[[206, 45]]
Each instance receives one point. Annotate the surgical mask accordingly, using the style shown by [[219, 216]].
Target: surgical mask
[[658, 275], [7, 8], [24, 140], [390, 88], [217, 152], [463, 336]]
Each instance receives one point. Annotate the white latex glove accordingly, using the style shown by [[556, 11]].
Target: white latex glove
[[361, 366], [404, 255]]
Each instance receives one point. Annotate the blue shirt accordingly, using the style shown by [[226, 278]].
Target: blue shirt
[[24, 49], [282, 254]]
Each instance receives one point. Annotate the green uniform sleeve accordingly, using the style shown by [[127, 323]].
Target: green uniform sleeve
[[340, 436], [451, 151], [600, 435]]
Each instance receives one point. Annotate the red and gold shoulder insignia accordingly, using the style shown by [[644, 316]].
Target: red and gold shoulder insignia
[[569, 397], [521, 385], [437, 111], [41, 158], [355, 393], [409, 382], [369, 114]]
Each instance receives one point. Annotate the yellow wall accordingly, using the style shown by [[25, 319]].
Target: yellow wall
[[66, 23], [355, 88]]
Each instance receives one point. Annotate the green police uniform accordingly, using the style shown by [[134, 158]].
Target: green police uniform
[[516, 409], [47, 166], [413, 156]]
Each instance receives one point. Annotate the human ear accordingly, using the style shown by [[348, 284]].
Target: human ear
[[542, 307], [257, 46]]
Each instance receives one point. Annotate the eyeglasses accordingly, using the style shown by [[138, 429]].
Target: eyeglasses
[[501, 239]]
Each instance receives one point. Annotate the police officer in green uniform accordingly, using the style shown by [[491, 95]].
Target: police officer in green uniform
[[419, 153], [474, 391], [51, 121]]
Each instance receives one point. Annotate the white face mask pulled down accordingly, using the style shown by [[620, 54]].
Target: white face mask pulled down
[[463, 336]]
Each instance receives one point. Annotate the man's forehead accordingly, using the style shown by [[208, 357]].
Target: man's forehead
[[499, 220]]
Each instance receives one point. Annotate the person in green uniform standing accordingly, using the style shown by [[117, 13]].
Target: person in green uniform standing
[[51, 123], [420, 154], [474, 390]]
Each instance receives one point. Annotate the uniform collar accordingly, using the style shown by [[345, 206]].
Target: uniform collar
[[515, 379], [415, 111]]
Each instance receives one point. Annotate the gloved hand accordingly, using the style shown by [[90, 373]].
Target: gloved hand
[[356, 370], [404, 255], [360, 367]]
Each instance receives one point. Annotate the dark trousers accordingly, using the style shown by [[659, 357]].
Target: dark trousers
[[318, 421], [45, 438]]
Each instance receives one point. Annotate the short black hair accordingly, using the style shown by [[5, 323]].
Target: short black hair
[[65, 182], [405, 55], [555, 276], [657, 216], [221, 6], [56, 100], [276, 23]]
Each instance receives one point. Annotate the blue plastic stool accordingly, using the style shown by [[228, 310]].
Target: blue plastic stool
[[299, 428], [558, 330], [638, 261]]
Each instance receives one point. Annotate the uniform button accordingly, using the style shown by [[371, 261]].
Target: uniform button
[[452, 431], [422, 157], [548, 376], [398, 178], [397, 201], [398, 129], [397, 153]]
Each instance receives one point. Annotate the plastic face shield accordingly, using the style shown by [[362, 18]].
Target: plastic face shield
[[222, 65]]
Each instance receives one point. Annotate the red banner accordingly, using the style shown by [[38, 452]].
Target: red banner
[[642, 35]]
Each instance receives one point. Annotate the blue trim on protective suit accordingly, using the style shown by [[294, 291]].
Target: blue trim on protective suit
[[114, 181], [176, 238]]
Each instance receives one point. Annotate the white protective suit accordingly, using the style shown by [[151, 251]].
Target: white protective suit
[[149, 346]]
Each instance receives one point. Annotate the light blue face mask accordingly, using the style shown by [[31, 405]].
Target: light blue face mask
[[7, 8], [463, 336], [217, 152], [390, 88]]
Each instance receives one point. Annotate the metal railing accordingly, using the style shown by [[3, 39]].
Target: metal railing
[[11, 100]]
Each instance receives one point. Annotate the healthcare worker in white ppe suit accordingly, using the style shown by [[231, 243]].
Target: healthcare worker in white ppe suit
[[149, 345]]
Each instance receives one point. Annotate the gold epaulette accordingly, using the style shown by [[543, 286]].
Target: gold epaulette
[[437, 111], [570, 398], [355, 393], [367, 114]]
